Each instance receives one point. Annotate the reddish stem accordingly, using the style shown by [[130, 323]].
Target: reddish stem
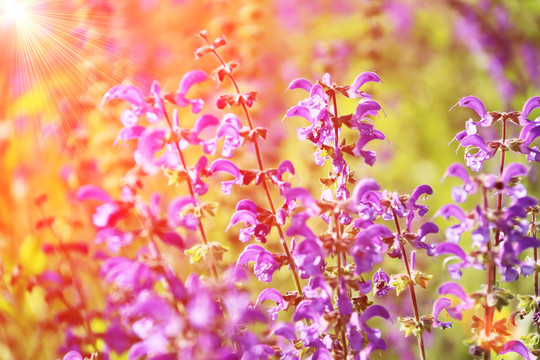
[[204, 240], [264, 183], [420, 337]]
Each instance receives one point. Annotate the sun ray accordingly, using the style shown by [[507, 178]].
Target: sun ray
[[52, 51]]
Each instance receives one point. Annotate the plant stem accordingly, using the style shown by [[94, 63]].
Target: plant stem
[[535, 254], [491, 271], [338, 233], [282, 239], [202, 233], [420, 337], [76, 284], [490, 280], [501, 169]]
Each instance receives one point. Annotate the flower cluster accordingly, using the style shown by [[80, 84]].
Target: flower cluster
[[340, 247]]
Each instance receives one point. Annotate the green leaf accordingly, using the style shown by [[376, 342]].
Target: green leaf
[[400, 282], [531, 340], [527, 303]]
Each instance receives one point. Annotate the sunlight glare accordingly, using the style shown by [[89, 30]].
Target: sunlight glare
[[14, 10]]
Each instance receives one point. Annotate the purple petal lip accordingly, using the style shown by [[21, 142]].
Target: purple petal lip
[[530, 105], [270, 294], [513, 170], [452, 210], [300, 84], [92, 192], [518, 347], [475, 104], [243, 215], [203, 122], [453, 288], [362, 79], [459, 171], [226, 166], [362, 187]]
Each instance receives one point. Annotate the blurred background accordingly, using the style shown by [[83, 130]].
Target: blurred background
[[59, 57]]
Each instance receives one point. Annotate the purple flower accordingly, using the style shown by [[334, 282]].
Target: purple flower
[[507, 259], [452, 288], [134, 96], [230, 130], [354, 89], [179, 214], [309, 258], [373, 336], [528, 107], [73, 355], [369, 248], [114, 238], [476, 151], [273, 294], [249, 219], [152, 141], [528, 134], [265, 262], [129, 133], [458, 253], [299, 227], [367, 133], [343, 302], [439, 305], [477, 105], [453, 233], [224, 165], [518, 347], [247, 212], [309, 334], [277, 176], [127, 274], [469, 187], [419, 191], [188, 80], [381, 282]]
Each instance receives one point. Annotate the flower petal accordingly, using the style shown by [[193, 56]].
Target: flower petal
[[226, 166], [439, 305], [361, 80], [367, 107], [300, 84], [250, 253], [270, 294], [285, 166], [453, 288], [203, 122], [513, 170], [92, 192], [518, 347], [362, 187], [129, 93], [475, 140], [459, 171], [452, 210], [243, 215], [130, 133], [475, 104], [374, 310], [451, 248], [427, 228], [188, 80], [530, 105]]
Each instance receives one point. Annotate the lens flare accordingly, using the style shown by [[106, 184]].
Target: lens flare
[[14, 11], [52, 56]]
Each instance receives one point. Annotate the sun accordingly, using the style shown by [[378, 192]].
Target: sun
[[13, 11]]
